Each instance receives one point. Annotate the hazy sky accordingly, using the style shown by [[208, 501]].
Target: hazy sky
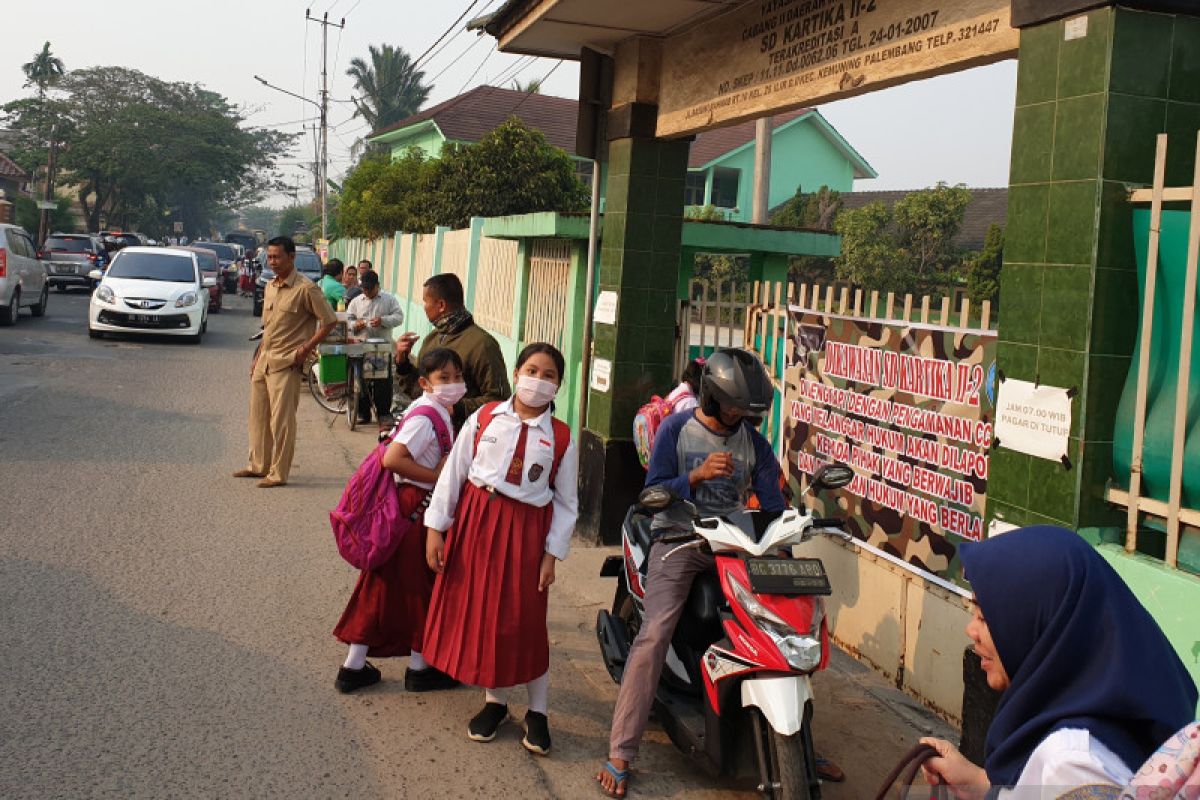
[[956, 128]]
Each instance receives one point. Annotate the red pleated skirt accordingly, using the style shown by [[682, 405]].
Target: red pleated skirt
[[388, 607], [487, 619]]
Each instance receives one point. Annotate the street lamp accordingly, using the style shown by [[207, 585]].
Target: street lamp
[[323, 164]]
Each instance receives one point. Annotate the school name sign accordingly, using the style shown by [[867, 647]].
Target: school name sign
[[772, 55], [910, 408]]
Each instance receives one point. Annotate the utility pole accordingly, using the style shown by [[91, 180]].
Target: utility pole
[[324, 166], [761, 208], [48, 197]]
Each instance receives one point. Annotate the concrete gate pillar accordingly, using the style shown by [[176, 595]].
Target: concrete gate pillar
[[1093, 90], [639, 262]]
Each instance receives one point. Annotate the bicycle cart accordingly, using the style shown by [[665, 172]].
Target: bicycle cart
[[338, 374]]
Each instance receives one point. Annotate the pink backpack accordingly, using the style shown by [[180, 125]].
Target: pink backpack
[[1173, 772], [367, 524]]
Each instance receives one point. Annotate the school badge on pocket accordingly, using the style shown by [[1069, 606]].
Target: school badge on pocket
[[535, 472]]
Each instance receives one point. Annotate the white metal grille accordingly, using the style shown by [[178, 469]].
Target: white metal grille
[[495, 297], [549, 279]]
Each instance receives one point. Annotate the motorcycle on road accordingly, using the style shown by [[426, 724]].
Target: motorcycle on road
[[735, 691]]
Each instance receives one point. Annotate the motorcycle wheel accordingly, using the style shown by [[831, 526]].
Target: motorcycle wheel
[[789, 765]]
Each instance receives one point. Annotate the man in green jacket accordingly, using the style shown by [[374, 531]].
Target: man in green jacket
[[484, 371], [331, 282]]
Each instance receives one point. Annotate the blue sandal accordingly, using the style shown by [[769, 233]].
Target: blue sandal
[[621, 776]]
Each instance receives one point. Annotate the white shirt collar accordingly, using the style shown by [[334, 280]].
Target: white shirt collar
[[541, 421]]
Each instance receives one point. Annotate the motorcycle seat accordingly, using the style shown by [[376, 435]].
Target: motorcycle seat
[[705, 599], [639, 528]]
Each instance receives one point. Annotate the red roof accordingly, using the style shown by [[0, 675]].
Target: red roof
[[471, 116], [711, 145], [9, 168]]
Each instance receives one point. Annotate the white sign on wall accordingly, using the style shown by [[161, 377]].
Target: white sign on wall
[[601, 374], [1034, 419], [606, 308]]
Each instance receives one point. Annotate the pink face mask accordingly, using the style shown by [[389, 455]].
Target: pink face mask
[[447, 394]]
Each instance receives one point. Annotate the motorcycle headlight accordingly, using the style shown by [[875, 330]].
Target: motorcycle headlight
[[105, 295], [801, 651], [187, 299]]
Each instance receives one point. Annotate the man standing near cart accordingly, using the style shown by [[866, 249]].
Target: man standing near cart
[[295, 320], [373, 314]]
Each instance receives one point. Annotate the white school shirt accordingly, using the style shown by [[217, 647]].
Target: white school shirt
[[489, 467], [682, 398], [383, 305], [418, 435], [1067, 759]]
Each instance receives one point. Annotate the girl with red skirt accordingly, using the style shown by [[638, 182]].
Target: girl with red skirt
[[506, 504], [386, 613]]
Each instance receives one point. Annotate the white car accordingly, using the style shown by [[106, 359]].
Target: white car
[[22, 276], [151, 290]]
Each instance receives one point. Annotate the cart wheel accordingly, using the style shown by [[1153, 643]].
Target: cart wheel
[[353, 391]]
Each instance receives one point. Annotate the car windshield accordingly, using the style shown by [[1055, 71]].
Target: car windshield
[[208, 262], [64, 244], [153, 267], [222, 250], [247, 240], [307, 262]]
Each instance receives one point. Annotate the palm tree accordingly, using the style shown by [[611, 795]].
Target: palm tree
[[44, 70], [532, 87], [390, 88]]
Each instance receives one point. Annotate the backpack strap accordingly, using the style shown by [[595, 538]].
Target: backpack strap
[[562, 440], [485, 418], [440, 429]]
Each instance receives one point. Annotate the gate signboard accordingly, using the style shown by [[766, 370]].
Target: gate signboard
[[910, 407], [771, 55]]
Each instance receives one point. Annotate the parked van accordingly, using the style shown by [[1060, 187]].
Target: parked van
[[23, 281]]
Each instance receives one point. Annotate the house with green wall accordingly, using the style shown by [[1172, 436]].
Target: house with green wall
[[806, 150]]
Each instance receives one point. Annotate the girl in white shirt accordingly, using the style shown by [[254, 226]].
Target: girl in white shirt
[[684, 397], [1091, 685], [385, 616], [506, 504]]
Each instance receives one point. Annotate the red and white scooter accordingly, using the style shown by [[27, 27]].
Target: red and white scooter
[[735, 691]]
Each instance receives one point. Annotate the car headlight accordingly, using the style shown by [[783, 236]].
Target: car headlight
[[105, 295], [802, 651], [188, 299]]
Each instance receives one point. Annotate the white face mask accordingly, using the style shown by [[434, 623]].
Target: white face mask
[[535, 392], [447, 394]]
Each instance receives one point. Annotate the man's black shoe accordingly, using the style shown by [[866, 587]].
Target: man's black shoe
[[537, 733], [349, 680], [427, 680], [483, 726]]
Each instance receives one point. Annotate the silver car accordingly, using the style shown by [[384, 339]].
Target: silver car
[[22, 276]]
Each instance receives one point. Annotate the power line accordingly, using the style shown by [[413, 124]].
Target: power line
[[476, 72], [453, 25], [545, 78], [456, 60]]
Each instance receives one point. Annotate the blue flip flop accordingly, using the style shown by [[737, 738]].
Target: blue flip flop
[[621, 776]]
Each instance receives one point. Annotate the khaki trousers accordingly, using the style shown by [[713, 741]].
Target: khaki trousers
[[274, 397]]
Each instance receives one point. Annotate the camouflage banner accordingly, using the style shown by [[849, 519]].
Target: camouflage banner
[[910, 408]]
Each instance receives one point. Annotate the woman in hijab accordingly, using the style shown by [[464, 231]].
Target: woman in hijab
[[1091, 685]]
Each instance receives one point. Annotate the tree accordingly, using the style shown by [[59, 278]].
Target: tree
[[983, 269], [390, 87], [810, 212], [908, 248], [709, 213], [382, 196], [533, 86], [28, 216], [44, 70]]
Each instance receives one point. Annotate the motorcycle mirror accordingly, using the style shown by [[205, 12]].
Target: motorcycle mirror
[[656, 498], [832, 476]]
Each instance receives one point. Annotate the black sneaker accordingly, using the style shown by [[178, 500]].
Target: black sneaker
[[427, 680], [348, 680], [537, 733], [483, 726]]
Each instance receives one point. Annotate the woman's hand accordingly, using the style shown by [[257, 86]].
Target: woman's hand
[[952, 769], [435, 550], [546, 573]]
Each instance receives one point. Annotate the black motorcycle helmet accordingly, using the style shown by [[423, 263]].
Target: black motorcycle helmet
[[735, 378]]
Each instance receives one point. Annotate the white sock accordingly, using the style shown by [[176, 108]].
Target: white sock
[[539, 693], [496, 696], [357, 657], [417, 662]]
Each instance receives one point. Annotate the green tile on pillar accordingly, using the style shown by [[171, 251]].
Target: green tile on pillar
[[659, 348], [1083, 62], [1078, 128], [661, 308], [604, 340], [1094, 475], [643, 161], [668, 232], [1052, 486], [673, 159], [1018, 361], [668, 199], [1064, 369], [1185, 60], [1025, 236], [1106, 383], [1116, 308], [637, 269], [630, 343], [1037, 64], [639, 232], [1066, 307], [1007, 512], [616, 197], [1033, 143], [1071, 226], [1008, 477], [1114, 249], [600, 410], [631, 306], [614, 233], [1183, 121], [1141, 54], [1021, 303], [619, 153], [664, 271], [1130, 135]]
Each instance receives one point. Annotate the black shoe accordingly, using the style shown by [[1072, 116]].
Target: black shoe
[[537, 733], [427, 680], [349, 680], [483, 726]]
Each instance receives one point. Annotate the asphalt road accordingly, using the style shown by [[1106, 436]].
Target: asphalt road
[[166, 628]]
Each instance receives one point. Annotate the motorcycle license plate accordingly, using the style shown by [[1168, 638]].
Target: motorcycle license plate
[[788, 576]]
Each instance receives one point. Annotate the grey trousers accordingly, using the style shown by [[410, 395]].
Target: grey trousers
[[667, 587]]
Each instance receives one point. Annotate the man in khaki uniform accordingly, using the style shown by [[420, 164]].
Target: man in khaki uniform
[[295, 319]]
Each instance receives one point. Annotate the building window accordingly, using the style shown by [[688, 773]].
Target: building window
[[725, 187], [693, 192]]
